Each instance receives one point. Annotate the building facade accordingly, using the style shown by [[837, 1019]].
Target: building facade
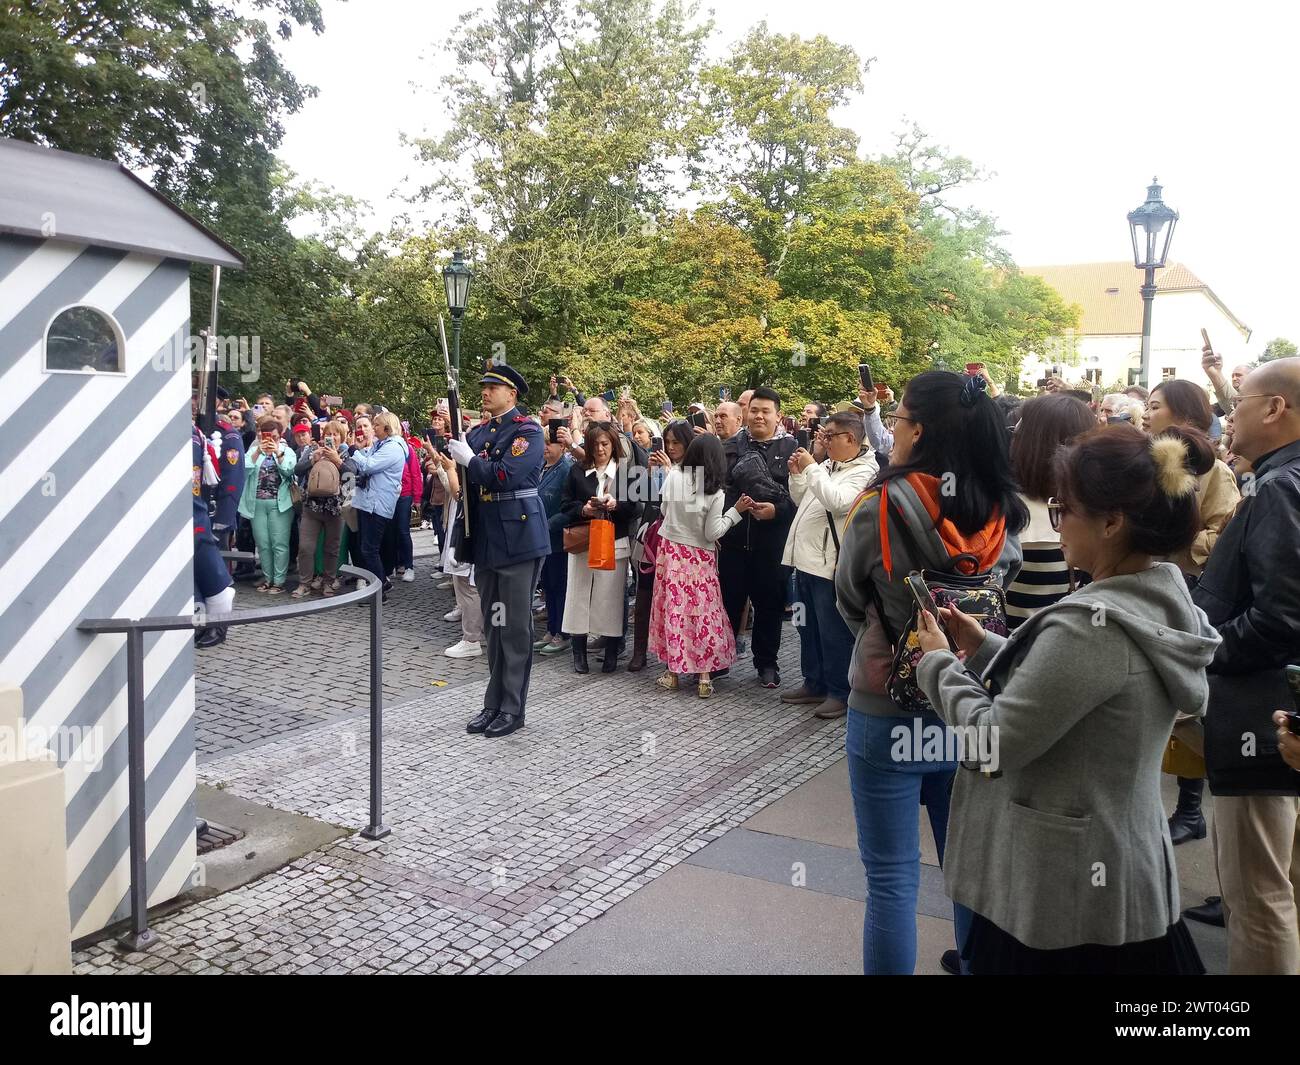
[[1106, 349]]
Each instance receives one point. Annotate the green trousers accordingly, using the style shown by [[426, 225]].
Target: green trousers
[[271, 534]]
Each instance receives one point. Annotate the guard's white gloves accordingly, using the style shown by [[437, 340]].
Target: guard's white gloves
[[460, 451]]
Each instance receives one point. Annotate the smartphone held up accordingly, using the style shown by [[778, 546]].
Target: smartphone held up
[[925, 602]]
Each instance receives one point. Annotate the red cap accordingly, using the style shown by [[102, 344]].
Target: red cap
[[302, 427], [346, 415]]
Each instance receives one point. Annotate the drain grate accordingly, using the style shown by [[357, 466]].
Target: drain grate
[[210, 836]]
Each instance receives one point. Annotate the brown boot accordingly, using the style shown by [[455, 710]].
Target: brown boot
[[801, 694], [640, 629], [831, 708]]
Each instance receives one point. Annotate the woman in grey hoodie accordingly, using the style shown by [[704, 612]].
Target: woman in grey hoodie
[[1057, 839]]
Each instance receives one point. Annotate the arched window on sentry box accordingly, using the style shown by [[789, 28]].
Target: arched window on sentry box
[[84, 339]]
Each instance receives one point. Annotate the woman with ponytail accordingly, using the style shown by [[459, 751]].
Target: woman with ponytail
[[1060, 845], [946, 501]]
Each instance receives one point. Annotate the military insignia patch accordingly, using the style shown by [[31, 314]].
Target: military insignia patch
[[232, 456], [518, 446]]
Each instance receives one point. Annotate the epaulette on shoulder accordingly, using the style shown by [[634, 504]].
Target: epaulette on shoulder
[[527, 420]]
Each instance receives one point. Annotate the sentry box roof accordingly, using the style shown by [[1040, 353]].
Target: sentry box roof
[[99, 202]]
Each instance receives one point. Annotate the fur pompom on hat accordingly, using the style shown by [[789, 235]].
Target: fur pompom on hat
[[1172, 475]]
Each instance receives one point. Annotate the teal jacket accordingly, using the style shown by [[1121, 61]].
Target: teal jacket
[[286, 460]]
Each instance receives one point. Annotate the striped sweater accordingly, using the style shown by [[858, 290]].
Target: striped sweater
[[1044, 577]]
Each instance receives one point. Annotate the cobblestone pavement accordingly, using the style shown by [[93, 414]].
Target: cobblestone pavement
[[319, 671], [500, 848]]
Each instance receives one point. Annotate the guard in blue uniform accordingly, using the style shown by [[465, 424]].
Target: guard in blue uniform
[[230, 467], [212, 584], [502, 463]]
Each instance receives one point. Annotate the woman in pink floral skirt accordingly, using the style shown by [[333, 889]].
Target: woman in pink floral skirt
[[689, 630]]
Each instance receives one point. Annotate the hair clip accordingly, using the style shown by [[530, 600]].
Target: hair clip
[[971, 389]]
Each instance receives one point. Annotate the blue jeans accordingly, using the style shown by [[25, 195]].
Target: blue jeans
[[825, 643], [886, 794], [555, 574]]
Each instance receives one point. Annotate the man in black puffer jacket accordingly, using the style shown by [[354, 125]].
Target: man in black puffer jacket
[[749, 556], [1250, 591]]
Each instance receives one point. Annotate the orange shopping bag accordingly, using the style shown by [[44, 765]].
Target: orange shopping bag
[[600, 550]]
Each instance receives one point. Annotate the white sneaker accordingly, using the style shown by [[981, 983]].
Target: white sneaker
[[408, 576], [464, 649], [453, 615], [445, 585]]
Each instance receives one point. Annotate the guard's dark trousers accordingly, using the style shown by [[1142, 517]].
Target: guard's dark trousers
[[506, 595]]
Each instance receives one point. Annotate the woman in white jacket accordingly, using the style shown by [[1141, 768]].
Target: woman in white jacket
[[689, 630], [824, 493]]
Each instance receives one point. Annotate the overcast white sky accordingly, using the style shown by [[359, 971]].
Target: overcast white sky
[[1075, 106]]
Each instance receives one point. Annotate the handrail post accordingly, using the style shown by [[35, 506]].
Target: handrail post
[[376, 829], [141, 937]]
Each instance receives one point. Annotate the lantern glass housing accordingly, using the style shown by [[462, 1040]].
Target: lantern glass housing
[[1152, 228]]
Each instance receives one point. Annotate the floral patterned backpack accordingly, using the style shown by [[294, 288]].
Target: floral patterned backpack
[[977, 594]]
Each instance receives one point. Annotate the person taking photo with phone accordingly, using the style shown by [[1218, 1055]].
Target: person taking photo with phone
[[823, 493], [1053, 797], [379, 461], [267, 502], [1181, 407], [598, 488], [321, 468], [946, 503]]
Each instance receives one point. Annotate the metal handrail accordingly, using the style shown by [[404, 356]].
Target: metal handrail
[[141, 937]]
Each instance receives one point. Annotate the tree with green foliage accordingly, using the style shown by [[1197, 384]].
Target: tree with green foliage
[[194, 94], [1278, 348]]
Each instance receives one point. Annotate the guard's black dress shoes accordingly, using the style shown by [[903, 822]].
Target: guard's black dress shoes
[[211, 636], [480, 723], [503, 725]]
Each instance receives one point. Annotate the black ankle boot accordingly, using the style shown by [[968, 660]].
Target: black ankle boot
[[1188, 822], [580, 655], [611, 654]]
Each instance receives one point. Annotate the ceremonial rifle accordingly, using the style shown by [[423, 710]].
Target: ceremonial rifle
[[453, 414]]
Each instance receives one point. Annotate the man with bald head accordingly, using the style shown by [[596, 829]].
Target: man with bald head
[[727, 420], [1250, 591], [745, 397]]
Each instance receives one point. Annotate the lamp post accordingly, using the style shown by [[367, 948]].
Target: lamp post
[[1150, 249], [456, 276]]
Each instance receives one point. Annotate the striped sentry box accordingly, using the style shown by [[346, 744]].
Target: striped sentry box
[[96, 504]]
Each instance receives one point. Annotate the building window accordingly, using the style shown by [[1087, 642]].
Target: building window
[[1093, 376], [1133, 375], [84, 340], [1168, 373]]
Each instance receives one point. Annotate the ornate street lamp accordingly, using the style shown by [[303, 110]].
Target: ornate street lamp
[[456, 276], [1152, 228]]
